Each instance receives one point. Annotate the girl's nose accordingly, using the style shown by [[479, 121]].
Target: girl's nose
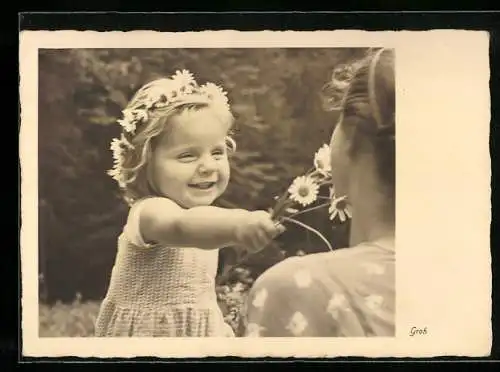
[[208, 165]]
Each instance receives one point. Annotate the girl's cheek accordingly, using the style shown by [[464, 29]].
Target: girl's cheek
[[227, 166]]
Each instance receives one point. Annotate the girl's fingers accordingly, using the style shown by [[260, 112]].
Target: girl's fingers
[[255, 241], [264, 240], [275, 230], [281, 229]]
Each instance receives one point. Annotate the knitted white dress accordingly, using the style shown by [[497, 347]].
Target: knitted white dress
[[160, 291]]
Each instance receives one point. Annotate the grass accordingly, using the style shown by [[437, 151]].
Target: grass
[[75, 319]]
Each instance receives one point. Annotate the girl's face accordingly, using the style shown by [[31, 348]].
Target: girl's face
[[190, 163]]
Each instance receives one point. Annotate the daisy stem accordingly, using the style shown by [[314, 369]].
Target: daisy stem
[[310, 209], [307, 227], [325, 182], [312, 169], [280, 206], [313, 173]]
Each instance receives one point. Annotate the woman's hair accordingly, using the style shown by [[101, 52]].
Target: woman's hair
[[368, 113], [147, 116]]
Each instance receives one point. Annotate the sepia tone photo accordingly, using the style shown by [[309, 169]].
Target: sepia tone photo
[[228, 191]]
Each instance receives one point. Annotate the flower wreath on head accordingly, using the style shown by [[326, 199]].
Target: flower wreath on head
[[179, 88]]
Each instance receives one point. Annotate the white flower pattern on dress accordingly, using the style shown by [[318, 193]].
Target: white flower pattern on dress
[[374, 302], [372, 268], [260, 298], [298, 324], [302, 278], [337, 303]]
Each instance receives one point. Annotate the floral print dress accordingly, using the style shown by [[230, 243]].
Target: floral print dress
[[346, 293]]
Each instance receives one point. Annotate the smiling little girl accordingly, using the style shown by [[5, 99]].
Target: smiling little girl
[[171, 162]]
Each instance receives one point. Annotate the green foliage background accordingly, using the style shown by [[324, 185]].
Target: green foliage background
[[280, 123]]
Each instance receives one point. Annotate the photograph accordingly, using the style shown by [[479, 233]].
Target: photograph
[[212, 194], [191, 193]]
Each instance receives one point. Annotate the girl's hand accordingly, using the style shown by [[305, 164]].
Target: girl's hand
[[255, 230]]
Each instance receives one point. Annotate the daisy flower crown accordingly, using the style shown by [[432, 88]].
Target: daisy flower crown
[[180, 88]]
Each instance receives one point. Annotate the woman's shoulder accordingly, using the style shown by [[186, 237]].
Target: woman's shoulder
[[286, 267], [318, 289], [292, 273], [317, 263], [339, 265]]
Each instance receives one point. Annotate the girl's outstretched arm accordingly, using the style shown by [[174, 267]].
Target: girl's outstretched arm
[[163, 221]]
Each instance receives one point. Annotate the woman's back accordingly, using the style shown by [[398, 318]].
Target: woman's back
[[349, 293]]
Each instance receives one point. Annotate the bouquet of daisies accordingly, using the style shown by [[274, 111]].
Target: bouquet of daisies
[[305, 191]]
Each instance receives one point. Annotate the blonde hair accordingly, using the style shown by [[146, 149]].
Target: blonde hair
[[157, 103]]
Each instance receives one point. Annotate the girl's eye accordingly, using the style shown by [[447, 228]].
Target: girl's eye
[[218, 152], [186, 157]]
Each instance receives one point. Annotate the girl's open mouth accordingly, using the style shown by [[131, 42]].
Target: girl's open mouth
[[202, 185]]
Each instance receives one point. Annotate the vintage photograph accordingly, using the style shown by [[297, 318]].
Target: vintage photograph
[[216, 192], [227, 193]]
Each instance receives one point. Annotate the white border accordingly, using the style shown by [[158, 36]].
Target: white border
[[443, 194]]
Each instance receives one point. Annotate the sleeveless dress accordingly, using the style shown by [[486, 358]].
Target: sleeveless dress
[[346, 293], [158, 291]]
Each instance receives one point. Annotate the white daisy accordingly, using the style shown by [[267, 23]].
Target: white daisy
[[126, 142], [141, 115], [128, 126], [303, 278], [339, 207], [214, 91], [182, 83], [116, 149], [260, 298], [303, 190], [217, 95], [374, 302], [128, 114], [118, 146], [337, 302], [131, 117], [322, 160], [184, 77], [114, 173], [298, 324], [160, 94]]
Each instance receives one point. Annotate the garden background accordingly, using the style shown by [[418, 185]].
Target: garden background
[[280, 123]]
